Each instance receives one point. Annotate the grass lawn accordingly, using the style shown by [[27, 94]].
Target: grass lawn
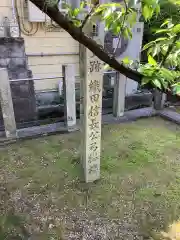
[[43, 195], [175, 109]]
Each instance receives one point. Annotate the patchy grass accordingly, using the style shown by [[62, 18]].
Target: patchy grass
[[174, 108], [43, 195], [178, 109]]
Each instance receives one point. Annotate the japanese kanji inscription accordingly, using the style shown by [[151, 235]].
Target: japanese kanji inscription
[[91, 69], [92, 102]]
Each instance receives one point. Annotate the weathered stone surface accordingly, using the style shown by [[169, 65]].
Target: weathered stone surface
[[130, 115], [7, 110], [12, 48], [170, 115], [69, 95], [119, 95], [13, 57], [91, 114], [22, 89], [138, 100], [159, 99], [22, 108], [91, 70]]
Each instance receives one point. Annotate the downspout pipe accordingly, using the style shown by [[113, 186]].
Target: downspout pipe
[[14, 16], [13, 10]]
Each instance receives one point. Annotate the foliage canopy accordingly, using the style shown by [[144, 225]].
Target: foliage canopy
[[163, 51]]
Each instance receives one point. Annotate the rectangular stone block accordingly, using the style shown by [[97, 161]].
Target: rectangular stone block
[[23, 108], [7, 105], [119, 95], [22, 89], [91, 69], [69, 93], [12, 48], [13, 57]]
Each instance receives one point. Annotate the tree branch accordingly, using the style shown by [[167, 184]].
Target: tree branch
[[77, 34], [89, 15]]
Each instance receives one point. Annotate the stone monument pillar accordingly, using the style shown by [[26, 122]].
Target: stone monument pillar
[[7, 105], [159, 99], [69, 96], [119, 95], [91, 69]]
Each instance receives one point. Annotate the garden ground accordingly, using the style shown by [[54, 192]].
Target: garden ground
[[43, 195]]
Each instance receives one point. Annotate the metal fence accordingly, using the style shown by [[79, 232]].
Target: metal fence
[[50, 115]]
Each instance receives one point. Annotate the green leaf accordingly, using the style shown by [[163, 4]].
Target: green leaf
[[126, 60], [150, 50], [146, 70], [157, 9], [157, 83], [166, 22], [76, 22], [82, 5], [164, 83], [107, 67], [167, 74], [162, 31], [76, 12], [147, 12], [146, 80], [131, 18], [156, 50], [148, 45], [178, 44], [108, 13], [176, 28], [116, 29], [126, 33], [164, 49], [176, 89], [129, 32], [177, 2], [152, 61], [161, 39], [170, 25]]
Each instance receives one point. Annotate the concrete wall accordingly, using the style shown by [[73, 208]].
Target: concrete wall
[[43, 42]]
